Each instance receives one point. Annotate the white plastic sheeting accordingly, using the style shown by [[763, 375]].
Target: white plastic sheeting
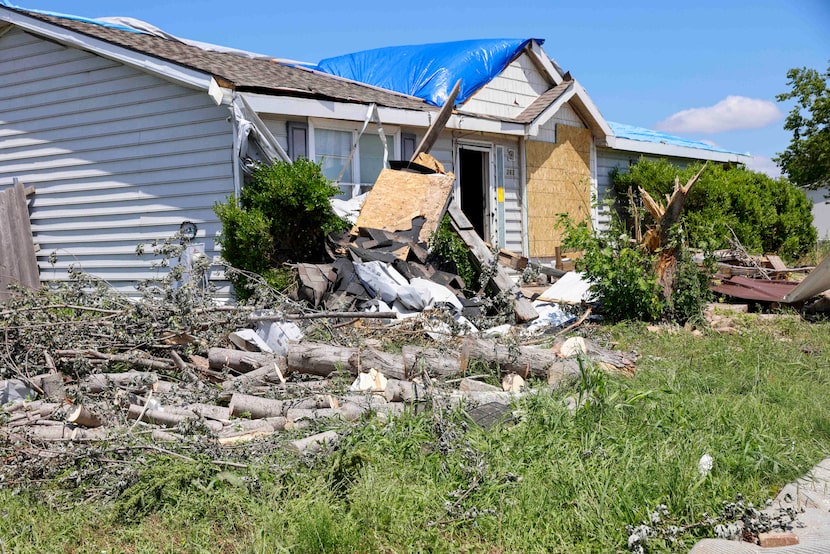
[[349, 209]]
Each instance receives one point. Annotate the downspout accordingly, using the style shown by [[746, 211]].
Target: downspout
[[523, 193], [237, 172]]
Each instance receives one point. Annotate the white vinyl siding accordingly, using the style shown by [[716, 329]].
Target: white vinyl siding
[[565, 116], [509, 93], [118, 157]]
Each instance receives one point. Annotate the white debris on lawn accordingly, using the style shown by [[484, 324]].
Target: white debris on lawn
[[278, 334]]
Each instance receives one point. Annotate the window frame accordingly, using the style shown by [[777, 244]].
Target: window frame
[[354, 128]]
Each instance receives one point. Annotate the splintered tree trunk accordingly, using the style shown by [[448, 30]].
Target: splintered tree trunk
[[666, 218]]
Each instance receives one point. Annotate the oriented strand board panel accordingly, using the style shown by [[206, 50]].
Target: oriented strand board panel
[[399, 196], [559, 181], [18, 263]]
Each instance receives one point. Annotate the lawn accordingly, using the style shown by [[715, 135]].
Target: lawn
[[550, 480]]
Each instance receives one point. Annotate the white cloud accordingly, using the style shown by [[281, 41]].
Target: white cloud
[[764, 165], [730, 114]]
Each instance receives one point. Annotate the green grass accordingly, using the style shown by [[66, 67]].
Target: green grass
[[551, 481]]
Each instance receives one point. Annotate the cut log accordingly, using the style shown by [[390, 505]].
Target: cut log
[[209, 411], [83, 417], [389, 364], [314, 443], [255, 407], [322, 359], [523, 361], [240, 360], [166, 418], [52, 385], [133, 381], [404, 391], [470, 385]]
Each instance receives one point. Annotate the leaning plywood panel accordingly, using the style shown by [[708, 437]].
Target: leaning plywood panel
[[17, 251], [398, 197], [559, 181]]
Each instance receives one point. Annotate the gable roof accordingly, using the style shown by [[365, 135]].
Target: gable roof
[[231, 71]]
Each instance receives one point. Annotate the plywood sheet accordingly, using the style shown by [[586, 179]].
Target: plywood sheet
[[18, 263], [399, 196], [559, 181]]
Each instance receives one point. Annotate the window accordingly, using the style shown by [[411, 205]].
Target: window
[[297, 140], [371, 156], [331, 150], [331, 144]]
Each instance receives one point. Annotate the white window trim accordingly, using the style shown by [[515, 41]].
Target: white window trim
[[354, 128]]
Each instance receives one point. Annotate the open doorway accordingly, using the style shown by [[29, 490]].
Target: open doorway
[[474, 187]]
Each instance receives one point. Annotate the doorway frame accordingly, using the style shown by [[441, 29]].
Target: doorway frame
[[489, 216]]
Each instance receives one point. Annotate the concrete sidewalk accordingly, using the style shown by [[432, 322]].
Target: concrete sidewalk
[[812, 493]]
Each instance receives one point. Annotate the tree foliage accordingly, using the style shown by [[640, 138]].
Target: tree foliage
[[767, 215], [283, 215], [806, 161]]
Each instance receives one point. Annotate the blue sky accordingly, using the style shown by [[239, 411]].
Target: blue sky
[[648, 63]]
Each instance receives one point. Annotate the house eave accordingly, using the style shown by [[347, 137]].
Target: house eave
[[356, 111], [674, 151], [172, 72]]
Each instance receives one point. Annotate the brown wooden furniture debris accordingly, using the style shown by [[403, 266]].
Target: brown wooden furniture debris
[[18, 261]]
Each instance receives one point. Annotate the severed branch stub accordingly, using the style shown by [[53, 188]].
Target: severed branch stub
[[658, 238]]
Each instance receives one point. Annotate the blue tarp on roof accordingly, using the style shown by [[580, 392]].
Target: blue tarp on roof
[[642, 134], [8, 4], [428, 71]]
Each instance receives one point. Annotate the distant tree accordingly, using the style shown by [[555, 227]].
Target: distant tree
[[806, 161]]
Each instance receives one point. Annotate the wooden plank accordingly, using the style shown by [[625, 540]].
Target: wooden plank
[[776, 263], [522, 307], [18, 262], [438, 125]]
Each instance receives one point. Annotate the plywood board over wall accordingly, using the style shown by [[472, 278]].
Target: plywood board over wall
[[18, 263], [558, 181], [399, 196]]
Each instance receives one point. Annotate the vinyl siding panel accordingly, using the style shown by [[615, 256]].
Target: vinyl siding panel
[[118, 157], [513, 90], [565, 116]]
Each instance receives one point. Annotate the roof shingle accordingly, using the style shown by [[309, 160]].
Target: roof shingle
[[253, 75]]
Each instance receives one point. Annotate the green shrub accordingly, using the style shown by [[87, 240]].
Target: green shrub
[[283, 215], [622, 276], [450, 253], [767, 215], [624, 279]]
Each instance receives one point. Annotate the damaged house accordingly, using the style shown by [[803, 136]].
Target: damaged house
[[128, 134]]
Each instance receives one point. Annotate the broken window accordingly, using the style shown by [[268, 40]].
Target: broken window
[[332, 147]]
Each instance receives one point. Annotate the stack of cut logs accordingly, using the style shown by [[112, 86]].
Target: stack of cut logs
[[255, 395]]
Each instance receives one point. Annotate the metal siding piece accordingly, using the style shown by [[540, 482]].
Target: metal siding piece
[[508, 94]]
